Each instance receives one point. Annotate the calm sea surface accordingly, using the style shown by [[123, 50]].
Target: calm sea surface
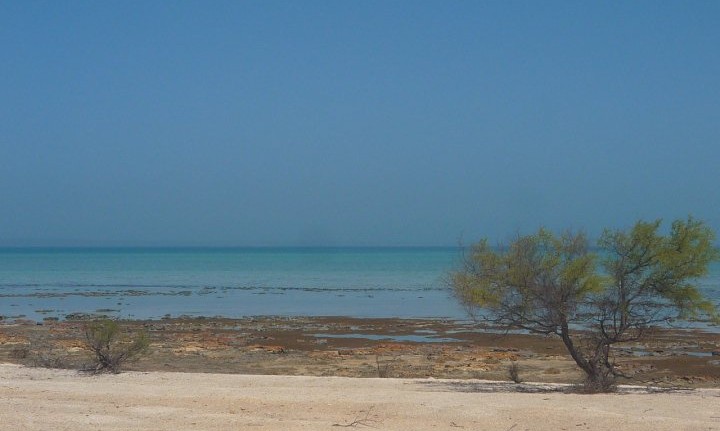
[[234, 282]]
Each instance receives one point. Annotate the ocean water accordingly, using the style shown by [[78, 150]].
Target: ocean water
[[235, 282], [230, 282]]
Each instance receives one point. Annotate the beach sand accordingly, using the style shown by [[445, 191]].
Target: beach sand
[[44, 399]]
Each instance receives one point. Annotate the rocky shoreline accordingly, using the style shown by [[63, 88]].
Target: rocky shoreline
[[351, 347]]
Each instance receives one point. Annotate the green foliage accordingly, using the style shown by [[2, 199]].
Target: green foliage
[[655, 270], [552, 284], [112, 348], [533, 283]]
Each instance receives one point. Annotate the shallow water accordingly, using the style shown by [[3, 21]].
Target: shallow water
[[234, 282], [151, 283]]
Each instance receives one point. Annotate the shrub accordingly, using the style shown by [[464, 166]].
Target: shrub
[[112, 348], [514, 372]]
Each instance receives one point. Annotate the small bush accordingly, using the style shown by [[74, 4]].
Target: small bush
[[514, 372], [50, 359], [111, 348], [382, 369], [42, 354], [605, 383], [20, 353]]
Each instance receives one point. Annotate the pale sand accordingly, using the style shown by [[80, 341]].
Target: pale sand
[[42, 399]]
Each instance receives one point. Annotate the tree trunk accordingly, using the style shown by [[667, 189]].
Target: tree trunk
[[570, 346], [599, 376]]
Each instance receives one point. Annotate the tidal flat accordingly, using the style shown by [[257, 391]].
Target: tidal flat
[[364, 347]]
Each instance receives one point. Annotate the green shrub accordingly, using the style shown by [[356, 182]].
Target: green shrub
[[111, 348]]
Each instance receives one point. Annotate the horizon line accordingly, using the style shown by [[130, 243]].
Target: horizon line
[[216, 246]]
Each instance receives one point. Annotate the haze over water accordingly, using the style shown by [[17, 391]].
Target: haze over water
[[324, 123]]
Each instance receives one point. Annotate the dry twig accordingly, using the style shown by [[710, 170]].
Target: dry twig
[[365, 421]]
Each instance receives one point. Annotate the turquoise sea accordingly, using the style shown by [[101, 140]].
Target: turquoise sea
[[232, 282], [37, 283]]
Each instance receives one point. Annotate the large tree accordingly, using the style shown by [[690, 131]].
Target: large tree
[[552, 284]]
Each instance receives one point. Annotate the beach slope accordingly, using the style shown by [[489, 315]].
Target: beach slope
[[42, 399]]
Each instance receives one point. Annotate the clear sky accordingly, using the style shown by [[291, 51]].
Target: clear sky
[[353, 122]]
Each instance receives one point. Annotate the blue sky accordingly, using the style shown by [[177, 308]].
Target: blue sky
[[353, 123]]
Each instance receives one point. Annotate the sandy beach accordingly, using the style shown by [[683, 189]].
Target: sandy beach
[[335, 373], [42, 399]]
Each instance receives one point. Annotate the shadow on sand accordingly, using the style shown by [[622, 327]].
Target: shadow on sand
[[488, 386]]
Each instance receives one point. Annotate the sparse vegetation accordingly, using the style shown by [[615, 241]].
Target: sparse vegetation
[[382, 369], [19, 353], [111, 348], [42, 353], [50, 359], [514, 372]]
